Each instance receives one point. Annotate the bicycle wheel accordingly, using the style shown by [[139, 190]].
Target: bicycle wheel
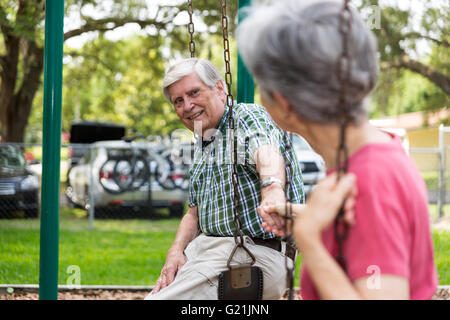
[[130, 174]]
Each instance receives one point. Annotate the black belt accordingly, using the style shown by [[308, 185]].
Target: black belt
[[276, 245]]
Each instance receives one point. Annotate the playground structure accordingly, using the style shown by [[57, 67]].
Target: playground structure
[[53, 65], [48, 279]]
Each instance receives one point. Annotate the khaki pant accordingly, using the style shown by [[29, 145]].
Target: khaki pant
[[207, 258]]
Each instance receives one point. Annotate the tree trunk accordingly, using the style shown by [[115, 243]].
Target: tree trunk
[[8, 76], [16, 104]]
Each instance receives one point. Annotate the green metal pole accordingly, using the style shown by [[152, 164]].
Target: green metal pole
[[49, 241], [245, 84]]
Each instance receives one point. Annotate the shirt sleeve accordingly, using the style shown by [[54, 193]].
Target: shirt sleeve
[[379, 243], [192, 201], [258, 129]]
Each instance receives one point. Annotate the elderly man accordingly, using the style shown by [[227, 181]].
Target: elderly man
[[194, 262]]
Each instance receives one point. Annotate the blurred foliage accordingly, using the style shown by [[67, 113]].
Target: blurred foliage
[[120, 80], [405, 32]]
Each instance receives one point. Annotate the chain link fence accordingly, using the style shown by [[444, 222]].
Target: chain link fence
[[434, 165], [124, 179], [106, 179]]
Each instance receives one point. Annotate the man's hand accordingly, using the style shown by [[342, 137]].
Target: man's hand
[[175, 256], [272, 221], [174, 261], [269, 163], [320, 210]]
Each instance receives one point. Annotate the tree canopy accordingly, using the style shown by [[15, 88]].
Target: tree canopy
[[119, 80]]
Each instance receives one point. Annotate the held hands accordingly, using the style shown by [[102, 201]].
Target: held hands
[[174, 261], [320, 210], [270, 197]]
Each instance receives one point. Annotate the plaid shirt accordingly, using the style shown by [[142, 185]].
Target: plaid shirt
[[211, 186]]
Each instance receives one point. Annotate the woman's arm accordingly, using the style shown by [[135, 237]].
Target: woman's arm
[[331, 282], [311, 219]]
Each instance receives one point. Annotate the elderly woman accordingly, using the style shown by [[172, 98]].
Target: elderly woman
[[292, 49]]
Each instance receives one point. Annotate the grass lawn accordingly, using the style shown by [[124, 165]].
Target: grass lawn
[[116, 252]]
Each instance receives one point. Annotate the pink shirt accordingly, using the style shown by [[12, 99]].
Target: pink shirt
[[392, 232]]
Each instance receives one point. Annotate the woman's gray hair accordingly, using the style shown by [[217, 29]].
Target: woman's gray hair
[[293, 47], [205, 69]]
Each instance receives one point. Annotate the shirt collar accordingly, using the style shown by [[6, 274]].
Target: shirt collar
[[222, 125]]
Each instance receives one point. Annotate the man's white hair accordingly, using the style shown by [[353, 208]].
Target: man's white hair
[[205, 69]]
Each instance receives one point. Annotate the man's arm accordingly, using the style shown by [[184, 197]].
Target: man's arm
[[175, 259], [269, 163]]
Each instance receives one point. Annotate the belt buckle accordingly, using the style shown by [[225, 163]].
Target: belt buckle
[[283, 247]]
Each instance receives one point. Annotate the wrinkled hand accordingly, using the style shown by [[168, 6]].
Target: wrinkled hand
[[271, 197], [321, 208], [274, 217], [174, 261]]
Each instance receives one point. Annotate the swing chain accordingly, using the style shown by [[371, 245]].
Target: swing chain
[[343, 74], [231, 126], [288, 223], [226, 55], [191, 29]]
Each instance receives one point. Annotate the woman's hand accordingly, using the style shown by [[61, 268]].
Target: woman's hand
[[321, 208], [324, 203]]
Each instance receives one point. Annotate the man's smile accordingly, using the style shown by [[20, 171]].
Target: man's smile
[[196, 115]]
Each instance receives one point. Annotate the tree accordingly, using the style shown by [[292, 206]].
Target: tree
[[96, 89], [22, 51], [19, 81], [396, 55], [120, 81], [401, 33]]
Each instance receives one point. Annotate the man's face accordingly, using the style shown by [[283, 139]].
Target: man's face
[[195, 101]]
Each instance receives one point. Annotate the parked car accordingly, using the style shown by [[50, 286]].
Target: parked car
[[312, 164], [121, 175], [19, 187], [82, 133]]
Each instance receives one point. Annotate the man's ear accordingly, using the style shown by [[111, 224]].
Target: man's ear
[[221, 89], [219, 86]]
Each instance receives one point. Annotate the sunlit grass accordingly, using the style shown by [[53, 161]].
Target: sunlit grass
[[115, 252], [118, 252]]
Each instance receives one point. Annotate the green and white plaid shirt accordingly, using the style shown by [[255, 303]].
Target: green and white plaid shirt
[[211, 186]]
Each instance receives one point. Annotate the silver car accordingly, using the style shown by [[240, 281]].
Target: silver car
[[312, 164], [117, 174]]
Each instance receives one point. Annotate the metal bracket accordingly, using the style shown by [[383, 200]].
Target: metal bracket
[[241, 276]]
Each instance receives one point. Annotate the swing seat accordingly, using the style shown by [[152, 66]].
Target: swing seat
[[243, 282]]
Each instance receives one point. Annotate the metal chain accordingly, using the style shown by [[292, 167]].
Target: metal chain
[[290, 270], [226, 56], [231, 126], [191, 29], [343, 74]]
